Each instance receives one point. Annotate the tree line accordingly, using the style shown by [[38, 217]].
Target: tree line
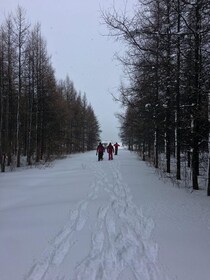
[[39, 116], [167, 98]]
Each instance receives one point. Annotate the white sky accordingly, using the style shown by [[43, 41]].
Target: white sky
[[76, 41]]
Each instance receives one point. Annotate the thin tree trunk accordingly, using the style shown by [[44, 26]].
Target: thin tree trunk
[[208, 186], [195, 155], [177, 137]]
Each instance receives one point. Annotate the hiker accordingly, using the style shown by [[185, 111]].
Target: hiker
[[110, 150], [116, 145], [100, 151]]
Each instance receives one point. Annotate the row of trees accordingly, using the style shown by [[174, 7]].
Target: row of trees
[[168, 64], [39, 116]]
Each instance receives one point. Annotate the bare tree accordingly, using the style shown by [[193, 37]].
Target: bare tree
[[21, 36]]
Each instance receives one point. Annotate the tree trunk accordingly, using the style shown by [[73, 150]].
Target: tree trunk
[[177, 119], [195, 157]]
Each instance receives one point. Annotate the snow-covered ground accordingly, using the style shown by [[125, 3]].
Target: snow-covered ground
[[109, 220]]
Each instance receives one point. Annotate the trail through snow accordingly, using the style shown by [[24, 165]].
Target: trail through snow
[[81, 219], [120, 245]]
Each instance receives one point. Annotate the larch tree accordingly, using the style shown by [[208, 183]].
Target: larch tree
[[21, 30]]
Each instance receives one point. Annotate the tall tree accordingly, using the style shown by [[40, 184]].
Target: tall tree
[[21, 35]]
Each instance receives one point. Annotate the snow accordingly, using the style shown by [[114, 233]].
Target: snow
[[83, 219]]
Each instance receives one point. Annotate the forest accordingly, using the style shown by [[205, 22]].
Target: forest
[[40, 118], [167, 96]]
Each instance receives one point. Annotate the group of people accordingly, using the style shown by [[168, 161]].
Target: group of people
[[110, 150]]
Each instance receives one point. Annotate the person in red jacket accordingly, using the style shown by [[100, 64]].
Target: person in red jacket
[[116, 145], [110, 150], [100, 151]]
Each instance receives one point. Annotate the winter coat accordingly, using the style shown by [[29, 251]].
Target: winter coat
[[116, 145], [110, 149], [100, 148]]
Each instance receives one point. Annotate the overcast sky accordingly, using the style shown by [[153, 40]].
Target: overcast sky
[[75, 39]]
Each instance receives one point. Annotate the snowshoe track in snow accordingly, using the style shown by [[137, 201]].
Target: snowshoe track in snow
[[121, 247]]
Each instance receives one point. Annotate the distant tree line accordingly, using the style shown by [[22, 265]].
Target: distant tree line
[[39, 116], [167, 63]]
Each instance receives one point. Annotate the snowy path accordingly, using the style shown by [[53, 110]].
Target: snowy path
[[81, 219], [120, 245]]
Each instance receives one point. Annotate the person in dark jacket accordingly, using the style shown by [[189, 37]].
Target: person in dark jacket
[[100, 151], [110, 150]]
